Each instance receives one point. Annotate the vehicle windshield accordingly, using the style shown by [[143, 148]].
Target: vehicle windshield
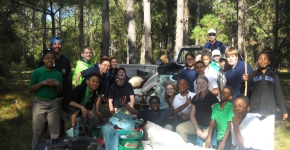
[[183, 51]]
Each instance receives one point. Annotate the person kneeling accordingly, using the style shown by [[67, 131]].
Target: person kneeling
[[155, 115], [80, 101]]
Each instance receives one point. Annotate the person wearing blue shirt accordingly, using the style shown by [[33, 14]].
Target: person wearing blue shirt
[[234, 75], [189, 73], [155, 115], [213, 44]]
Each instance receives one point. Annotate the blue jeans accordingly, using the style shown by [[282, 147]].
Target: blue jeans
[[199, 140]]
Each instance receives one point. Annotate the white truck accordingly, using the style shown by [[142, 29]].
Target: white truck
[[150, 87]]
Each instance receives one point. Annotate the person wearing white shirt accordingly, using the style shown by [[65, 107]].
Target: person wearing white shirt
[[200, 69], [209, 70], [245, 126], [179, 100]]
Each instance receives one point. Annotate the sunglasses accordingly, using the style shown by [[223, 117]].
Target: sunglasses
[[211, 34]]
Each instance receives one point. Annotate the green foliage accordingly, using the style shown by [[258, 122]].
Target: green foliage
[[209, 21]]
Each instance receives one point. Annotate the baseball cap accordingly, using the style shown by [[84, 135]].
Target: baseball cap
[[211, 31], [215, 52], [55, 39]]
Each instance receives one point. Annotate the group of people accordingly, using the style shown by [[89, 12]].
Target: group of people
[[206, 102], [60, 93]]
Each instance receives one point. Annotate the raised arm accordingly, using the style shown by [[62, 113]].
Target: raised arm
[[215, 91], [180, 108], [130, 109], [132, 101], [111, 107]]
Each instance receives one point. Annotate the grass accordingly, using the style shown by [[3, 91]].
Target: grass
[[16, 114]]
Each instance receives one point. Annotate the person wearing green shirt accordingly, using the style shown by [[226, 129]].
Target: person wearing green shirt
[[46, 84], [80, 101], [83, 64], [221, 117]]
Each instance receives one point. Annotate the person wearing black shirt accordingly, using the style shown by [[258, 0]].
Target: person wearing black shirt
[[120, 89]]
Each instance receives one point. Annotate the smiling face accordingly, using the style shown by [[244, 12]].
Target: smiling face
[[56, 47], [222, 64], [114, 63], [225, 94], [202, 85], [240, 107], [216, 58], [199, 68], [232, 60], [183, 86], [87, 54], [263, 61], [154, 104], [170, 90], [189, 61], [212, 37], [206, 60], [93, 83], [48, 60], [104, 67]]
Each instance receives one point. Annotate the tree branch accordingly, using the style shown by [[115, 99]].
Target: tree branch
[[253, 5], [31, 7]]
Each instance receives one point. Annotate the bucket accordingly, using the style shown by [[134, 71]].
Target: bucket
[[128, 135], [122, 145]]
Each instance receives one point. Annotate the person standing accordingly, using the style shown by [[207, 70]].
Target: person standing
[[113, 70], [189, 72], [266, 93], [61, 64], [213, 44], [234, 75], [46, 84], [83, 64]]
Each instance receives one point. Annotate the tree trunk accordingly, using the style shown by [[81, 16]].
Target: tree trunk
[[81, 25], [43, 22], [88, 34], [33, 35], [240, 26], [185, 23], [179, 25], [105, 28], [197, 17], [59, 23], [147, 32], [131, 33], [276, 38], [52, 14], [142, 58]]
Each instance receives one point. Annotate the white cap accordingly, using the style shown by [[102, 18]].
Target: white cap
[[211, 31], [215, 52]]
